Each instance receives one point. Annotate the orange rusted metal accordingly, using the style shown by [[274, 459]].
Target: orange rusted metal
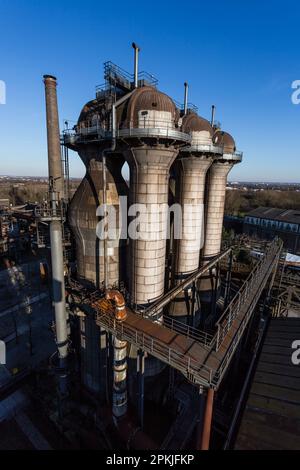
[[207, 420], [118, 299]]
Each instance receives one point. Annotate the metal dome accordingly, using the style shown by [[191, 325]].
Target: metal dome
[[225, 140], [193, 123], [149, 99], [199, 128], [91, 110]]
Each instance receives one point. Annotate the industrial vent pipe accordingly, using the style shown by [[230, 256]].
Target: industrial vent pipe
[[53, 137], [213, 110], [56, 241], [136, 63], [186, 90]]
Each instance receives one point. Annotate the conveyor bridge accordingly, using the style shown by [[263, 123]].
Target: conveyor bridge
[[202, 358]]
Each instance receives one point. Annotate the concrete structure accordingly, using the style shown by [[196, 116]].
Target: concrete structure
[[151, 132], [215, 203], [90, 250], [192, 165]]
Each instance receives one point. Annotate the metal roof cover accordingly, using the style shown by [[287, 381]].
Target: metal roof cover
[[273, 213], [191, 122], [148, 98], [225, 140]]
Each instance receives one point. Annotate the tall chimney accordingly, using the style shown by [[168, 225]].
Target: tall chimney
[[56, 242], [53, 137]]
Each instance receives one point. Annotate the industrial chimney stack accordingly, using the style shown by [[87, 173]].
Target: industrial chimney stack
[[53, 136], [56, 186]]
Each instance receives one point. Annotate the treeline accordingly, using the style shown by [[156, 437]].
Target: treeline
[[19, 194], [240, 202]]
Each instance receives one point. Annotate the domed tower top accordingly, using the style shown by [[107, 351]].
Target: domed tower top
[[92, 113], [149, 107], [199, 128], [225, 140], [149, 113]]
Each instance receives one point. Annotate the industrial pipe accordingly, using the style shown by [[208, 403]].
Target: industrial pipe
[[120, 354], [207, 420], [56, 187], [53, 136], [120, 309], [186, 89], [157, 306], [119, 407], [213, 110], [136, 63], [58, 285]]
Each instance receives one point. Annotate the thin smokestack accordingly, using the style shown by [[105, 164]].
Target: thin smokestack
[[136, 63], [53, 137], [186, 89], [213, 110], [56, 186]]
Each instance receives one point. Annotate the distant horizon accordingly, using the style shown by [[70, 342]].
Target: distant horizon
[[229, 180]]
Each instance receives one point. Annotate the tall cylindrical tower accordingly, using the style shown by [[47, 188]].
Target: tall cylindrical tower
[[192, 164], [56, 189], [216, 193], [54, 163], [149, 126], [151, 131]]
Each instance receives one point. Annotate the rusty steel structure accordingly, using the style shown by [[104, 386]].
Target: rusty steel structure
[[139, 318]]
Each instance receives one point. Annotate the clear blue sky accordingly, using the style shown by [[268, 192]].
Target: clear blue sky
[[240, 55]]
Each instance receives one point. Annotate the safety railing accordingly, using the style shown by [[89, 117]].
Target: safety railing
[[47, 213], [182, 328], [114, 72], [153, 130], [190, 106], [195, 371], [190, 332], [254, 283], [234, 156]]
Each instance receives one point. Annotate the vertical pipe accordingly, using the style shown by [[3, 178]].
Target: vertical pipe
[[213, 110], [120, 372], [199, 426], [56, 184], [207, 420], [59, 297], [140, 371], [104, 201], [53, 136], [136, 63], [186, 89]]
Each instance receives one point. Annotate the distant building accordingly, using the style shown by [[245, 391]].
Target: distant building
[[268, 222], [4, 204]]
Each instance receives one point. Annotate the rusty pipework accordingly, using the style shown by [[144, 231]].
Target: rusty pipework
[[207, 419], [120, 308]]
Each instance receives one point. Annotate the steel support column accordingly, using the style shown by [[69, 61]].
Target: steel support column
[[208, 414], [141, 378]]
